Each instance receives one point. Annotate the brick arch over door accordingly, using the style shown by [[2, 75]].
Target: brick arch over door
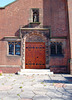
[[35, 37]]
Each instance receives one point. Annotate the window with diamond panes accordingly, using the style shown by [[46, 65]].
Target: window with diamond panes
[[14, 48]]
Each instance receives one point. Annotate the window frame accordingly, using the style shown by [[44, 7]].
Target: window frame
[[56, 50], [59, 44], [14, 48], [51, 49], [31, 15]]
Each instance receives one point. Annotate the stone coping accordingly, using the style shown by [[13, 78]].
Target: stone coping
[[59, 66], [12, 38], [10, 66], [35, 28]]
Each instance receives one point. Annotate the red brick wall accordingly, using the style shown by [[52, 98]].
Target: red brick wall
[[60, 60], [70, 29], [55, 15], [17, 14], [10, 69], [59, 69], [11, 18]]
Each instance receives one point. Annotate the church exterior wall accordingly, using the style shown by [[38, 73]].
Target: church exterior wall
[[52, 15]]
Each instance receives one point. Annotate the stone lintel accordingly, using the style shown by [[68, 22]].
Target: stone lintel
[[29, 29], [9, 38], [10, 66]]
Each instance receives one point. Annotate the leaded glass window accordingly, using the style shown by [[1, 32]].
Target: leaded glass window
[[14, 48], [59, 49], [53, 49], [56, 48]]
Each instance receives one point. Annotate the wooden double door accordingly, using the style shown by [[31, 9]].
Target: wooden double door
[[34, 55]]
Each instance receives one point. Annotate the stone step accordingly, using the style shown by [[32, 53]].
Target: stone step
[[35, 71]]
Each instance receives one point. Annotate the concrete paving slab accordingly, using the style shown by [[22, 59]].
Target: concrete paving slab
[[27, 94], [3, 94], [29, 88], [65, 97], [5, 88], [58, 99], [36, 87], [14, 91], [11, 98], [41, 97], [26, 99], [1, 77], [40, 91], [53, 94]]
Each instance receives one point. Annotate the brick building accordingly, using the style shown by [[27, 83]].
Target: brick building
[[36, 34]]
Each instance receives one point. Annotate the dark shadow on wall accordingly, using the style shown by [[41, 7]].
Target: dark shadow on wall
[[30, 25], [17, 33]]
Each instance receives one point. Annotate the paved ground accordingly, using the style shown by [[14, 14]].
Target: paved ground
[[36, 87]]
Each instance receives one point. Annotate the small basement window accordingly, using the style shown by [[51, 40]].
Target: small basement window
[[14, 48]]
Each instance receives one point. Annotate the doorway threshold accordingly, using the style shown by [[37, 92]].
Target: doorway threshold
[[35, 71]]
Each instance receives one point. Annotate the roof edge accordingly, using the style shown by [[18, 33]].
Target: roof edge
[[2, 7], [8, 4]]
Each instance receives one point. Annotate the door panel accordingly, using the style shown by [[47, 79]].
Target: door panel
[[35, 55]]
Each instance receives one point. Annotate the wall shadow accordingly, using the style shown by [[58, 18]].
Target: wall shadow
[[30, 25]]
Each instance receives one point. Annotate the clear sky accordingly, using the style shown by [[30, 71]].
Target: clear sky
[[5, 2]]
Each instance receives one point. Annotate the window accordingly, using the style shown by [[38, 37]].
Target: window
[[56, 48], [59, 49], [53, 49], [35, 15], [14, 48]]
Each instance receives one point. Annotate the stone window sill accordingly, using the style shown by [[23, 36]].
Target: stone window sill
[[13, 56], [60, 55], [34, 22]]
